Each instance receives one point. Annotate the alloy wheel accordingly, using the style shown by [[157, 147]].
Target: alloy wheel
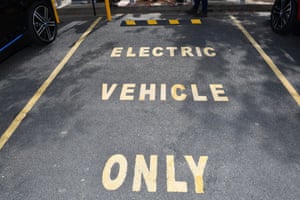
[[282, 15], [44, 23]]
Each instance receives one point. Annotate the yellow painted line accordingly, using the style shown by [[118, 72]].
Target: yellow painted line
[[196, 21], [22, 114], [151, 22], [130, 22], [174, 21], [290, 88]]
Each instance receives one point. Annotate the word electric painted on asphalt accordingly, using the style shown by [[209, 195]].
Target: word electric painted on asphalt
[[114, 177], [185, 51], [160, 92]]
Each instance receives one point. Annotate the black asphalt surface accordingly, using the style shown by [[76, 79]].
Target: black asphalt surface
[[61, 150]]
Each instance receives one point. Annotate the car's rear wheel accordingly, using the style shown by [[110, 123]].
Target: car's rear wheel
[[283, 15], [41, 23]]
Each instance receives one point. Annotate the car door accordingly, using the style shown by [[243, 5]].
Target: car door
[[10, 26], [298, 10]]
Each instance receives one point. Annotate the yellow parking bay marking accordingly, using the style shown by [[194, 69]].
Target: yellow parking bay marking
[[161, 22], [152, 22], [130, 22], [22, 114], [195, 21], [269, 61], [173, 21]]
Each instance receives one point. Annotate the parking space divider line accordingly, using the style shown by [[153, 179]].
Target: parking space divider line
[[290, 88], [34, 99]]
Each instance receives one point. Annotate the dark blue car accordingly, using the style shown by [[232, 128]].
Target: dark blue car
[[284, 15], [25, 21]]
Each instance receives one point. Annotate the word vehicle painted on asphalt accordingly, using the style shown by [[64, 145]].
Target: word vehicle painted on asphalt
[[160, 92]]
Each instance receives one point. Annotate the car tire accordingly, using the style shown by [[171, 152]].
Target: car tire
[[42, 25], [283, 15]]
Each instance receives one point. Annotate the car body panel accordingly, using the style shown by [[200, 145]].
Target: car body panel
[[11, 19], [298, 16], [14, 24]]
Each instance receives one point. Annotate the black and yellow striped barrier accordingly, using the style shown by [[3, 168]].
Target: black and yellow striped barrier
[[153, 22]]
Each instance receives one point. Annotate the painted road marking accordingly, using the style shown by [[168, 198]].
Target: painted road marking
[[130, 23], [171, 51], [174, 21], [160, 22], [152, 22], [196, 21], [290, 88], [149, 173], [160, 92], [22, 114]]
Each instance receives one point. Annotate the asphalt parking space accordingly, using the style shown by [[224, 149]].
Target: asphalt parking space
[[24, 72], [156, 112], [281, 48]]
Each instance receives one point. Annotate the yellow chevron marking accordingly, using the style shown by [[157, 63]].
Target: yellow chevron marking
[[174, 21], [196, 21], [152, 22], [130, 22]]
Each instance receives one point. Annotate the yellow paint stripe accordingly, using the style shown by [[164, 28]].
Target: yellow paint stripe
[[151, 22], [22, 114], [196, 21], [130, 22], [269, 61], [174, 21]]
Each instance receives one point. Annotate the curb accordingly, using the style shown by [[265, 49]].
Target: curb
[[214, 7]]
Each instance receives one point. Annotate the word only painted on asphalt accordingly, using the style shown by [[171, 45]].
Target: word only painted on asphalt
[[116, 170], [185, 51], [160, 92]]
